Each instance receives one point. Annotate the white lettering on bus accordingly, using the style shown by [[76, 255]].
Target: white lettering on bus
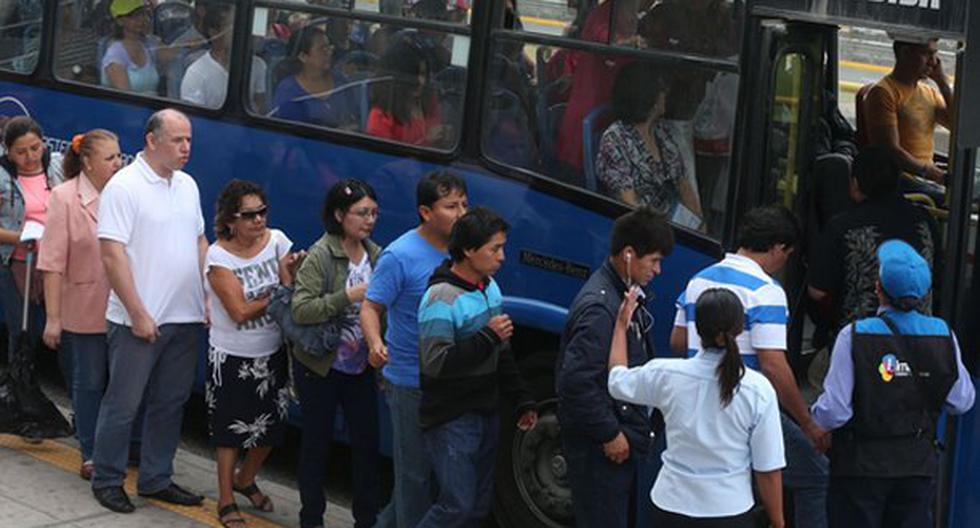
[[924, 4]]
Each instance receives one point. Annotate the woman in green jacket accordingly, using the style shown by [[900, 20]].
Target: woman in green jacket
[[331, 284]]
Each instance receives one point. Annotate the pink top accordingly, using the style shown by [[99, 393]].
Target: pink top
[[70, 247], [36, 194]]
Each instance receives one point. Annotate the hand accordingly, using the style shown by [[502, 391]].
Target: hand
[[617, 449], [818, 436], [356, 294], [937, 74], [378, 356], [628, 306], [502, 326], [144, 327], [52, 334], [294, 261], [935, 174], [528, 420], [436, 135]]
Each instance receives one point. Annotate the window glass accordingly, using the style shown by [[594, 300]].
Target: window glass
[[391, 82], [20, 35], [637, 131], [785, 130], [705, 27], [453, 11], [173, 49]]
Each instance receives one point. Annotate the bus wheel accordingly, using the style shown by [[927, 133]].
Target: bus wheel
[[531, 487]]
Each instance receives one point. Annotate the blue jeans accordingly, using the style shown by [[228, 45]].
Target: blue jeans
[[806, 475], [13, 308], [412, 495], [601, 489], [161, 373], [462, 452], [319, 397], [88, 354]]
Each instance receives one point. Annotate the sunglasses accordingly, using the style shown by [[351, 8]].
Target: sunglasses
[[252, 215]]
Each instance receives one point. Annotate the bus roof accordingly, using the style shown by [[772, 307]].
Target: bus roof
[[908, 18]]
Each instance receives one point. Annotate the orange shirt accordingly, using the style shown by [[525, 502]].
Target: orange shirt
[[70, 247], [910, 109]]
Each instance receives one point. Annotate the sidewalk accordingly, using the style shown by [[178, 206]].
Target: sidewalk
[[40, 487]]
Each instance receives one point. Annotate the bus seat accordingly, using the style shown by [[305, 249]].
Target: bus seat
[[172, 19], [450, 87], [863, 136], [545, 110], [508, 136], [592, 127]]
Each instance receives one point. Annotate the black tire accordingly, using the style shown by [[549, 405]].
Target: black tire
[[530, 488]]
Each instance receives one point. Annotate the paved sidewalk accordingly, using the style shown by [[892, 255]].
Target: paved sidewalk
[[40, 487]]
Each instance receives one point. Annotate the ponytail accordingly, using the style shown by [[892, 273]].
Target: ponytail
[[81, 146], [731, 370]]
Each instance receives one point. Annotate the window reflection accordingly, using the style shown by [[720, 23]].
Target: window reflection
[[20, 35]]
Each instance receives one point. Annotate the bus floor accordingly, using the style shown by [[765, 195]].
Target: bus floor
[[40, 487]]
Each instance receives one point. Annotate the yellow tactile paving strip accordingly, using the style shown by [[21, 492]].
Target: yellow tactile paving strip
[[68, 459]]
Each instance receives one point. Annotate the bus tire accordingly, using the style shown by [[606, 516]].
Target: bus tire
[[531, 490]]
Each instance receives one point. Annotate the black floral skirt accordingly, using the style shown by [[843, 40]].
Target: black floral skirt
[[247, 399]]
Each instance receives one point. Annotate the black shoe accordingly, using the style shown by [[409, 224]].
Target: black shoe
[[114, 498], [174, 494]]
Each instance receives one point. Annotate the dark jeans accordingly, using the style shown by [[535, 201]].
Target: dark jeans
[[13, 306], [664, 519], [412, 495], [806, 476], [159, 375], [857, 502], [319, 398], [462, 452], [88, 355], [601, 489]]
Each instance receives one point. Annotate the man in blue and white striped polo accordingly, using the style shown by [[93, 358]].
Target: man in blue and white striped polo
[[766, 239]]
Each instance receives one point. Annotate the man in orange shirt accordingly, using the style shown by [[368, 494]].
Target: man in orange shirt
[[902, 109]]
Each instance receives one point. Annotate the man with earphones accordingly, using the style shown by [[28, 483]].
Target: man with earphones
[[603, 439]]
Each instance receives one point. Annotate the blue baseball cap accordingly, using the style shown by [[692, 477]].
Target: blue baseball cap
[[903, 272]]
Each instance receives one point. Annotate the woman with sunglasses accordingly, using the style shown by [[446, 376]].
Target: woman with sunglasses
[[346, 255], [245, 391]]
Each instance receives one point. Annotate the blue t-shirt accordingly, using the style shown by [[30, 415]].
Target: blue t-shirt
[[398, 282], [338, 109]]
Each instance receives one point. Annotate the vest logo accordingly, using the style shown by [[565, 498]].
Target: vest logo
[[935, 5], [891, 367]]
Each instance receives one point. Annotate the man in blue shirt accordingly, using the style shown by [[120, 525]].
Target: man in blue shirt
[[890, 376], [396, 287]]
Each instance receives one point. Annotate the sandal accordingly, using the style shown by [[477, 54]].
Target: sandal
[[225, 513], [263, 503]]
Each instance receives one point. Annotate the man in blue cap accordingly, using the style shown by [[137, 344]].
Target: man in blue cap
[[890, 376]]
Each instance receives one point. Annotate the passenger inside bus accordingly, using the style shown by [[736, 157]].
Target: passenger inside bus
[[639, 161], [310, 90], [130, 61], [404, 106]]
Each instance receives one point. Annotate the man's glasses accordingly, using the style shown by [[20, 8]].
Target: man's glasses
[[365, 213], [252, 215]]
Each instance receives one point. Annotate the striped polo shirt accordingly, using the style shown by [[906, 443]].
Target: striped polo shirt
[[767, 312]]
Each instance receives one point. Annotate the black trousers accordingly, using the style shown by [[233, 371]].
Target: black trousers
[[665, 519], [864, 502]]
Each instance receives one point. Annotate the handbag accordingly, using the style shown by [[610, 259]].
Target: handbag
[[319, 339]]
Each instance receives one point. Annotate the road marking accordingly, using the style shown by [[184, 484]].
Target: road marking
[[67, 458]]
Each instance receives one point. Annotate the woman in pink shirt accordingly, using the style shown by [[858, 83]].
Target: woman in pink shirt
[[76, 289]]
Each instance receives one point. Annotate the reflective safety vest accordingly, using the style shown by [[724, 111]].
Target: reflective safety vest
[[900, 384]]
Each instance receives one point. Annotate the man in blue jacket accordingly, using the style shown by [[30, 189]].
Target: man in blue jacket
[[602, 438]]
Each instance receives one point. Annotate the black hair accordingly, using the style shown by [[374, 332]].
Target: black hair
[[300, 41], [765, 227], [636, 92], [214, 18], [904, 304], [473, 230], [876, 172], [643, 229], [719, 314], [228, 203], [18, 127], [402, 62], [436, 185], [341, 197]]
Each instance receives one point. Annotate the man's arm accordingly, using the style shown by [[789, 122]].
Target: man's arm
[[962, 394], [120, 275], [678, 341], [833, 408], [943, 116], [775, 367], [371, 313]]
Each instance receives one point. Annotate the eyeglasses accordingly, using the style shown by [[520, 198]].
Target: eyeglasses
[[252, 215], [365, 213]]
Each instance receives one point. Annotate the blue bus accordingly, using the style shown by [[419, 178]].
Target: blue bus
[[523, 96]]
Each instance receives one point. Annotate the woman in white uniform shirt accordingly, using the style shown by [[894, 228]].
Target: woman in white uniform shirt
[[722, 421]]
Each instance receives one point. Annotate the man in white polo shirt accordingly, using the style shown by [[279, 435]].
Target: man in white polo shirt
[[151, 231]]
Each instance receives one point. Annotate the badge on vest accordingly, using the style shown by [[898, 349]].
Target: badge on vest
[[891, 367]]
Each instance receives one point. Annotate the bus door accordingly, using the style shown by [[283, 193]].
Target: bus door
[[790, 75]]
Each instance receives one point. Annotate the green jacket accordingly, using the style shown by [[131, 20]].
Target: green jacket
[[309, 306]]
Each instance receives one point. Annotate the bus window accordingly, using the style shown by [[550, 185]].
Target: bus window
[[176, 50], [453, 11], [400, 84], [638, 131], [20, 35]]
